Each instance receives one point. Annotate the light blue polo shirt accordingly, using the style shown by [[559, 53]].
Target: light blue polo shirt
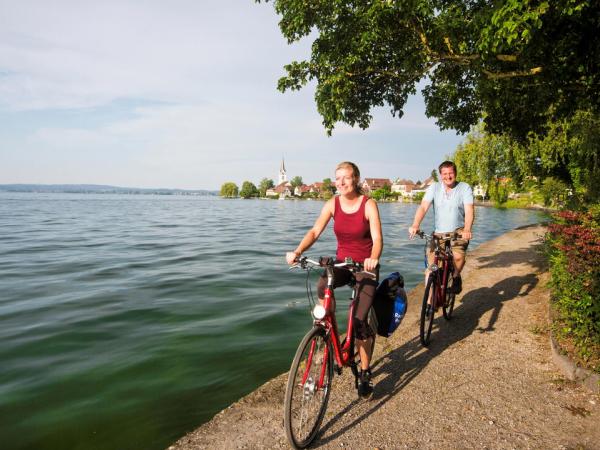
[[449, 207]]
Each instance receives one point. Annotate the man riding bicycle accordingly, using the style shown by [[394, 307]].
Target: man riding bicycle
[[453, 213]]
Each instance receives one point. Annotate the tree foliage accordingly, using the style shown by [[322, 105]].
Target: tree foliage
[[296, 181], [248, 190], [382, 193], [517, 63], [229, 190], [569, 152], [488, 160], [328, 188], [434, 175], [553, 191], [328, 184], [264, 185], [566, 158]]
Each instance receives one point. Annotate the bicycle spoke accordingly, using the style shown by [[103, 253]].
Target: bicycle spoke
[[308, 388]]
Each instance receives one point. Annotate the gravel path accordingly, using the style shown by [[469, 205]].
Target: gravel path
[[485, 382]]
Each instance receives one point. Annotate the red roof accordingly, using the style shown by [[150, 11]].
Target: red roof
[[376, 183]]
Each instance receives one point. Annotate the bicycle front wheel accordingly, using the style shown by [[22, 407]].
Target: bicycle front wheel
[[308, 388], [448, 306], [427, 314]]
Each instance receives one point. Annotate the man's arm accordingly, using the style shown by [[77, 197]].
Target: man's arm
[[469, 219], [419, 215]]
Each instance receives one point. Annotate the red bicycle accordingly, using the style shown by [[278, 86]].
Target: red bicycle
[[439, 282], [320, 353]]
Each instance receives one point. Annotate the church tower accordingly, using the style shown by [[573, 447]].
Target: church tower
[[282, 172]]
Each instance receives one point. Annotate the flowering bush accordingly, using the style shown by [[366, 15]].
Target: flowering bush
[[574, 244]]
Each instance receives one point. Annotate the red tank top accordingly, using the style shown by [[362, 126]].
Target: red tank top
[[353, 232]]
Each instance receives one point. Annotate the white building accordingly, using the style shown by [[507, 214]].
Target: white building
[[282, 173]]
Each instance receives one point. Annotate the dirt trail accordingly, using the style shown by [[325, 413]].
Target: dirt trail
[[486, 380]]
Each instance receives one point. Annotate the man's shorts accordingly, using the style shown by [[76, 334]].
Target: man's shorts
[[459, 246]]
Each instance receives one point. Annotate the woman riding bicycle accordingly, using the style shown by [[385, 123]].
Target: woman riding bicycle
[[357, 228]]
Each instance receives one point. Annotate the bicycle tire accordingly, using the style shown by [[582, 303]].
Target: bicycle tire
[[305, 403], [448, 306], [426, 323]]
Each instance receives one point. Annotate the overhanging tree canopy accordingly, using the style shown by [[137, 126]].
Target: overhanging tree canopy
[[517, 63]]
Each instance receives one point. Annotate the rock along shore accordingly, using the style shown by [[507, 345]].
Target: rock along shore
[[487, 379]]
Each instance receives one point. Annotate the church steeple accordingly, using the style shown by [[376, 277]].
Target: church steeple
[[282, 172]]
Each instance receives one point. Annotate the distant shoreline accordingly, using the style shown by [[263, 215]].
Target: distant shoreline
[[99, 189]]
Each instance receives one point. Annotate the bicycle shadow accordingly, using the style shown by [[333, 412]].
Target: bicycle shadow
[[394, 371], [509, 258]]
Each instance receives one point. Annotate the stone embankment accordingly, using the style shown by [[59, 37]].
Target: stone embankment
[[487, 380]]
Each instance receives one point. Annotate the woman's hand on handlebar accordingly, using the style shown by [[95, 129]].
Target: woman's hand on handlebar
[[412, 231], [370, 264], [291, 257]]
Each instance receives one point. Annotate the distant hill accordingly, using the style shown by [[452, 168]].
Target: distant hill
[[98, 189]]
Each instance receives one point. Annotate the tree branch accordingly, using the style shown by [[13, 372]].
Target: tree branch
[[512, 74]]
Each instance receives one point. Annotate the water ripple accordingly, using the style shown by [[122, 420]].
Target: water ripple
[[126, 321]]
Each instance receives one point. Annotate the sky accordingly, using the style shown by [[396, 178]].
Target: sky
[[178, 94]]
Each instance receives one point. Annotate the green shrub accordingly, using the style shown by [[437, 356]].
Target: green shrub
[[574, 248]]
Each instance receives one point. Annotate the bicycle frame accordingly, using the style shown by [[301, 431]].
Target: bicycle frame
[[444, 259], [341, 351]]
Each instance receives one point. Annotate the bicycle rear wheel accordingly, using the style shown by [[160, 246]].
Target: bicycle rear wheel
[[308, 388], [426, 321], [448, 306]]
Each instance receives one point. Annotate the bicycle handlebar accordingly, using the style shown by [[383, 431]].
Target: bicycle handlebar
[[303, 262], [445, 236]]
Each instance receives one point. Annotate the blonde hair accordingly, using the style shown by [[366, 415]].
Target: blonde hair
[[355, 174]]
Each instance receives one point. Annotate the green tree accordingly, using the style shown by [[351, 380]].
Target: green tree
[[229, 190], [434, 175], [554, 191], [265, 184], [296, 181], [382, 193], [248, 190], [488, 160], [515, 62], [328, 189], [570, 152]]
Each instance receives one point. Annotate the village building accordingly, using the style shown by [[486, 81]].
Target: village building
[[282, 173], [284, 187], [403, 187], [478, 191], [372, 184], [301, 190]]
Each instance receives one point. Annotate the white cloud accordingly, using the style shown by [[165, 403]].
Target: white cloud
[[80, 53], [205, 73]]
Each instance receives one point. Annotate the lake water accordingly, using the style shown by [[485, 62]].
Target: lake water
[[127, 321]]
